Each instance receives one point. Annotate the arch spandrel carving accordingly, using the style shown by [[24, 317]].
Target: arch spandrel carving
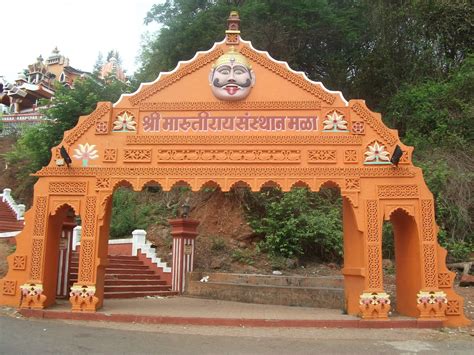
[[287, 131]]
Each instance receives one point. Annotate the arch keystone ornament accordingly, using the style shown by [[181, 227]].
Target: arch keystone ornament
[[235, 117]]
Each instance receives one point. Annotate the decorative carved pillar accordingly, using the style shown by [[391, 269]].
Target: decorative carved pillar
[[374, 303], [32, 291], [431, 302], [430, 281], [82, 296], [184, 232]]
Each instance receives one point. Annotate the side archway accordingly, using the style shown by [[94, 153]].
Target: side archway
[[408, 265]]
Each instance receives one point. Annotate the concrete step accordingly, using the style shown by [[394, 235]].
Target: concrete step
[[114, 270], [271, 280], [131, 276], [123, 257], [75, 262], [109, 282], [267, 289], [75, 257], [136, 288], [136, 266], [124, 261], [139, 294]]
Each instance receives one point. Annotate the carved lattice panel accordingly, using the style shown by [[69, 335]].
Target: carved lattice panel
[[137, 155], [453, 308], [322, 156], [101, 127], [40, 217], [103, 183], [36, 259], [19, 262], [186, 172], [225, 156], [375, 266], [427, 220], [350, 156], [397, 191], [110, 155], [89, 218], [86, 260], [358, 127], [66, 187], [328, 139], [9, 287], [372, 222], [445, 279], [430, 265], [352, 184]]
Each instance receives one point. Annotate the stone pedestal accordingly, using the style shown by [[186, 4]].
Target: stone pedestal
[[184, 233]]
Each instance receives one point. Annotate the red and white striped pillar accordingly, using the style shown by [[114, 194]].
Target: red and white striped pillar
[[184, 233], [65, 245]]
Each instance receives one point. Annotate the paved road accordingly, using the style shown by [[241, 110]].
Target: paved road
[[29, 336]]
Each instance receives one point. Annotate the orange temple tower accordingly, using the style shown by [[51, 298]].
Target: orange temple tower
[[235, 116]]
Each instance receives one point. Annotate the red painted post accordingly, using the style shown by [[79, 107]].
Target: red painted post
[[184, 232], [65, 246]]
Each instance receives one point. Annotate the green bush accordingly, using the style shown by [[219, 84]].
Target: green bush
[[388, 241], [298, 222], [244, 256], [458, 250], [135, 210], [218, 243], [125, 215]]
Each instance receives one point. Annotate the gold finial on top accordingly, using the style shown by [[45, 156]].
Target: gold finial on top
[[233, 28]]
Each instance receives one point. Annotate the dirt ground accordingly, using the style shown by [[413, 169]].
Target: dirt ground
[[5, 250]]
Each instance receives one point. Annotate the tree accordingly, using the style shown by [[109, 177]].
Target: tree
[[99, 63], [114, 54], [436, 117], [33, 148], [366, 49], [313, 36]]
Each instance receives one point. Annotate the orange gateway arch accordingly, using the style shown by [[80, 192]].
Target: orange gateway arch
[[233, 115]]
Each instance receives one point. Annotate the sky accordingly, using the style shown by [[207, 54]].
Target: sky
[[80, 29]]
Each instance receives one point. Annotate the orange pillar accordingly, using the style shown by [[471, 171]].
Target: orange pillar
[[374, 302], [83, 293]]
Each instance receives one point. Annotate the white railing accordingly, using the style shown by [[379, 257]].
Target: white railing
[[23, 117], [9, 234], [138, 241], [19, 209]]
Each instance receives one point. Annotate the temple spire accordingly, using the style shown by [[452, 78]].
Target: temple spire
[[233, 28]]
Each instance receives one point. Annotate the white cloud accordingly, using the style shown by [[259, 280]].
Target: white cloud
[[80, 30]]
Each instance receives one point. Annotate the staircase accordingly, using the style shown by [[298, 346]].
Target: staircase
[[127, 277], [8, 221]]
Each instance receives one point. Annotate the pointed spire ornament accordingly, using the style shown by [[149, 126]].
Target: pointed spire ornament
[[232, 33]]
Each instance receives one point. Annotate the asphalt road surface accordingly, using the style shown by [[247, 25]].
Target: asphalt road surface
[[31, 336]]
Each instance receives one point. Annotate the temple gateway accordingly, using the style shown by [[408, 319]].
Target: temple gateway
[[234, 116]]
